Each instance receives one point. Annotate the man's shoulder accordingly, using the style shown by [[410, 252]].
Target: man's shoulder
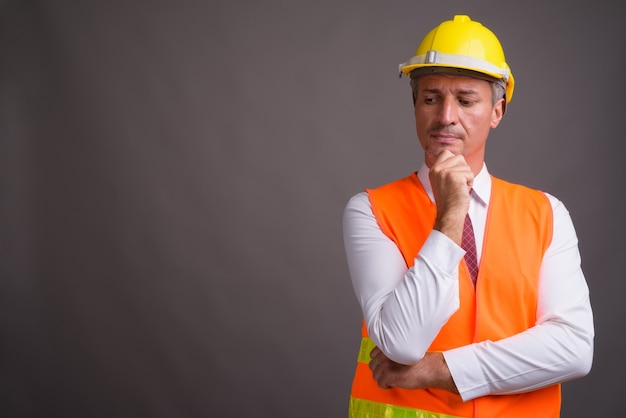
[[409, 182], [516, 193], [499, 183]]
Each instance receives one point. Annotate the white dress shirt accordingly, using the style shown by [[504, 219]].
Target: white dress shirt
[[404, 309]]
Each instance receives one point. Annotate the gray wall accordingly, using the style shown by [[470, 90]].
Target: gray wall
[[172, 178]]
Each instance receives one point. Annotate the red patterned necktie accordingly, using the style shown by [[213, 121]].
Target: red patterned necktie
[[469, 245]]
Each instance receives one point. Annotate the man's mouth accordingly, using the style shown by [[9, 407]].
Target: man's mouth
[[445, 138]]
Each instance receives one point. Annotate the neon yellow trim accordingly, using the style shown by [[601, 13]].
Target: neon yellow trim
[[367, 346], [360, 408]]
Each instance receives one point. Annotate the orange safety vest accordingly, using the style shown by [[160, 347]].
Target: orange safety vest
[[503, 303]]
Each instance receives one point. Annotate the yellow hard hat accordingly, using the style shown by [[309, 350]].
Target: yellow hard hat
[[462, 44]]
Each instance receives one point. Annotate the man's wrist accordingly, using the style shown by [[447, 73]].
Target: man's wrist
[[440, 373], [451, 226]]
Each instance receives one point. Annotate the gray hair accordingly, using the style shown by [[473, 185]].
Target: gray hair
[[498, 90]]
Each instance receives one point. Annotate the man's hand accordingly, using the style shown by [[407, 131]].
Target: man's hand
[[430, 372], [451, 179]]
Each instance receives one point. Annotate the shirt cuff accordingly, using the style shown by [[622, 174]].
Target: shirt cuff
[[466, 372], [441, 251]]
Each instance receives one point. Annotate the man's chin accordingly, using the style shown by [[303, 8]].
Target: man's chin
[[436, 152]]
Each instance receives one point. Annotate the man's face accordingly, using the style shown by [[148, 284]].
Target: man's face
[[455, 113]]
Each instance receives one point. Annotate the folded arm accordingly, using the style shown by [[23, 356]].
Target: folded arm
[[558, 348], [404, 309]]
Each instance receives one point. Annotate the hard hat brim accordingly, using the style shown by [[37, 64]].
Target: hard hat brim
[[434, 62]]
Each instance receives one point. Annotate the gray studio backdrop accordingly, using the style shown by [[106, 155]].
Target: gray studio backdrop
[[173, 174]]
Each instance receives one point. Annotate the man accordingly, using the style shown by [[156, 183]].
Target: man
[[487, 326]]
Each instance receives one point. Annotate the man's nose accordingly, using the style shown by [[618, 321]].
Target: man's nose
[[448, 112]]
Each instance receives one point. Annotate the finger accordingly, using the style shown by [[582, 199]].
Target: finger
[[378, 374], [373, 363], [450, 162], [453, 164], [382, 381], [375, 353], [448, 158], [444, 156]]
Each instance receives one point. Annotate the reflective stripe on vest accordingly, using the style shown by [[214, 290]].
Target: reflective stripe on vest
[[360, 408], [367, 346]]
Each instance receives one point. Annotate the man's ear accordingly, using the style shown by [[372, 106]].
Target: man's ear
[[498, 112]]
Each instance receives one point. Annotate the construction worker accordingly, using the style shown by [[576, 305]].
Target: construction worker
[[472, 293]]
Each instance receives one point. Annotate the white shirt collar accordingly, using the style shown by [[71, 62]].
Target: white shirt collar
[[481, 190]]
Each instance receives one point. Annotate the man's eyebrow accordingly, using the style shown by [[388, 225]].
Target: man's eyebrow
[[467, 91], [459, 91]]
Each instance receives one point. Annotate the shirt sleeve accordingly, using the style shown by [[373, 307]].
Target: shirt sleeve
[[401, 306], [558, 348]]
